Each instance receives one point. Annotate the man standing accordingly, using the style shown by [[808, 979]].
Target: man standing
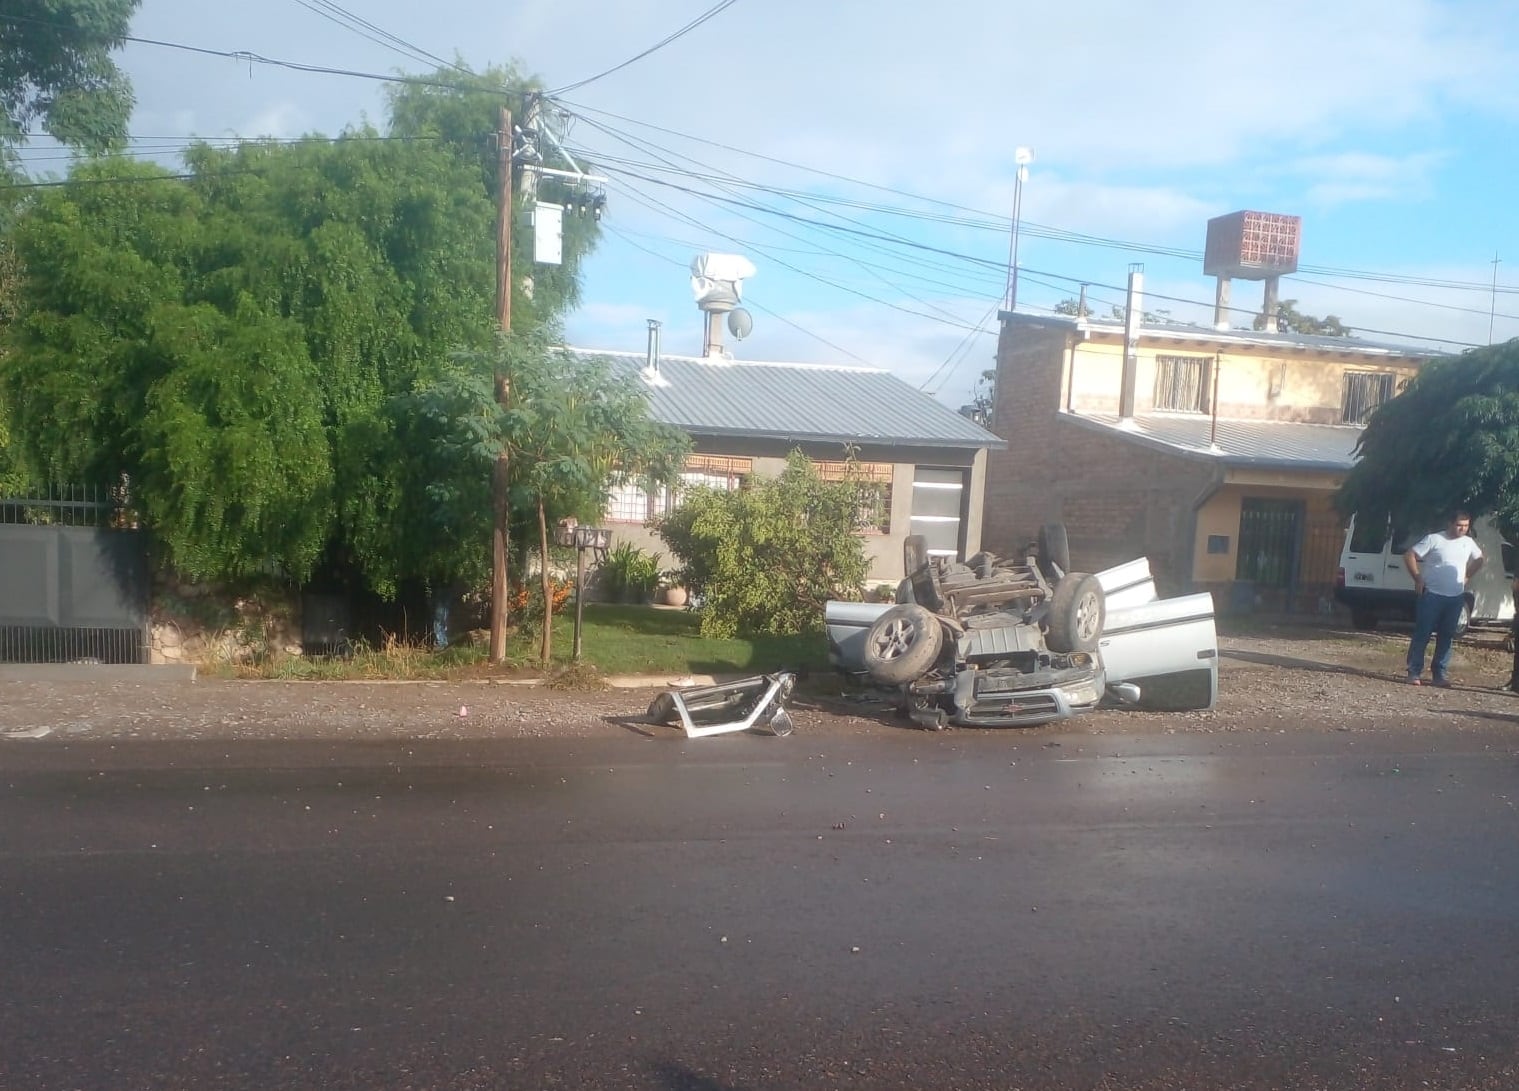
[[1440, 564]]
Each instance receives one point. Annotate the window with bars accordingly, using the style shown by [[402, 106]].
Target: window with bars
[[1363, 391], [635, 503], [1181, 383], [874, 482]]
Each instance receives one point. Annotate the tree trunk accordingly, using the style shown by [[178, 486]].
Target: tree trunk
[[548, 593]]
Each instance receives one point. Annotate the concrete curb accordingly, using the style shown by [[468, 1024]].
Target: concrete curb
[[181, 673], [166, 674]]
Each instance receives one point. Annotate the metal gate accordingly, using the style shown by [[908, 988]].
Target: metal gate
[[1270, 542], [74, 583]]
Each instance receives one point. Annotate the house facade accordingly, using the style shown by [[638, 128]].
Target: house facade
[[925, 463], [1215, 453]]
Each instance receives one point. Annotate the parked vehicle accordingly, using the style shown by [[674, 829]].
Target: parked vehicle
[[1374, 583], [1017, 643]]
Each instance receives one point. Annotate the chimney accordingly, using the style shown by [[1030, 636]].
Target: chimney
[[650, 373], [1132, 314], [712, 340]]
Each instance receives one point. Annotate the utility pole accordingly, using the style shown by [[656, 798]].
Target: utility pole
[[499, 478], [1493, 313]]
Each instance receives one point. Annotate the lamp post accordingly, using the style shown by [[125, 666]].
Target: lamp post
[[596, 539], [1022, 157]]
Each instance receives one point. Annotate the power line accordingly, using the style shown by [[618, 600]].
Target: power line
[[346, 19], [715, 10], [990, 263], [749, 302], [994, 222], [296, 66], [792, 235]]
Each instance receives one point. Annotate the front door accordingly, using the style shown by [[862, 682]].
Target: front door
[[1270, 542]]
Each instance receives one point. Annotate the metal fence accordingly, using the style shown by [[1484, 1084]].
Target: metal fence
[[68, 506], [74, 581]]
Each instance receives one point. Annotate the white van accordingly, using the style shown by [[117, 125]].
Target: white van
[[1374, 583]]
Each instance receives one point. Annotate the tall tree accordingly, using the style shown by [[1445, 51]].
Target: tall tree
[[240, 343], [574, 428], [1291, 320], [56, 72], [1450, 439]]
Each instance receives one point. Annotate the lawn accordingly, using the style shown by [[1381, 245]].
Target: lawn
[[615, 640], [642, 640]]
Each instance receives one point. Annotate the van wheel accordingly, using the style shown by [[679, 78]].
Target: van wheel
[[1364, 620]]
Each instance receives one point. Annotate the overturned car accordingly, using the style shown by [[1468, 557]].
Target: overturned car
[[997, 642]]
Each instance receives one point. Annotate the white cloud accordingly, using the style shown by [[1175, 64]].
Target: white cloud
[[1146, 120]]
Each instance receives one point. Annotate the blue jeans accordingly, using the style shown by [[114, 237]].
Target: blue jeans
[[1436, 614]]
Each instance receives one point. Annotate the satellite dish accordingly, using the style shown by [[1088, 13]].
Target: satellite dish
[[740, 324]]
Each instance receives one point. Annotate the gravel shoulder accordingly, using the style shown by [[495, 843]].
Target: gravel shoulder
[[1271, 679]]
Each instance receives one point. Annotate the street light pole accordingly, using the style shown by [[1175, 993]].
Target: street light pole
[[1022, 157]]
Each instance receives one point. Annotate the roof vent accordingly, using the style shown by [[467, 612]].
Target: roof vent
[[650, 372]]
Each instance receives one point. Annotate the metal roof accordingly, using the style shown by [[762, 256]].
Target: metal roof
[[1181, 332], [797, 402], [1260, 443]]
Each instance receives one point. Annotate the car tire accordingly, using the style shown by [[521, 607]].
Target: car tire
[[1054, 551], [1077, 613], [902, 644]]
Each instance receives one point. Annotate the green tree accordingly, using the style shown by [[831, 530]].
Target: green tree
[[983, 399], [240, 344], [764, 559], [1449, 439], [574, 428], [1290, 320], [1073, 308], [56, 71], [461, 109]]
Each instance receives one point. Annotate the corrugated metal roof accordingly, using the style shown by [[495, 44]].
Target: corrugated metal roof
[[1263, 443], [798, 402], [1181, 332]]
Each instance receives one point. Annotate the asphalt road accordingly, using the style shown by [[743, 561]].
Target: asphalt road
[[967, 910]]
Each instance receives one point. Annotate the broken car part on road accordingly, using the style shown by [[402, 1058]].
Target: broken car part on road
[[759, 701]]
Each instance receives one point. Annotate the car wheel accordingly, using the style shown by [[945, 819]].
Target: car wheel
[[1364, 620], [1054, 550], [1076, 614], [902, 645]]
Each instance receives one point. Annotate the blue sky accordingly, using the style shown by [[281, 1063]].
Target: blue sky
[[1391, 127]]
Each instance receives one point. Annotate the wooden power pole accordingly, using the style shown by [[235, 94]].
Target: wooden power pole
[[499, 480]]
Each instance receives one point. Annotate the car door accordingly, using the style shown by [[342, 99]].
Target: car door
[[1168, 648]]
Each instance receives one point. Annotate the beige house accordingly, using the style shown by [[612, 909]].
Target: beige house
[[1215, 453], [928, 462]]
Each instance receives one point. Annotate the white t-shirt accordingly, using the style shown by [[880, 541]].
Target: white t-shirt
[[1443, 561]]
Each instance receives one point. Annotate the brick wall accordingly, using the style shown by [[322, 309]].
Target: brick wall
[[1118, 500]]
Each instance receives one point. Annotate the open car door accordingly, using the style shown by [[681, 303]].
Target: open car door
[[1168, 648]]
